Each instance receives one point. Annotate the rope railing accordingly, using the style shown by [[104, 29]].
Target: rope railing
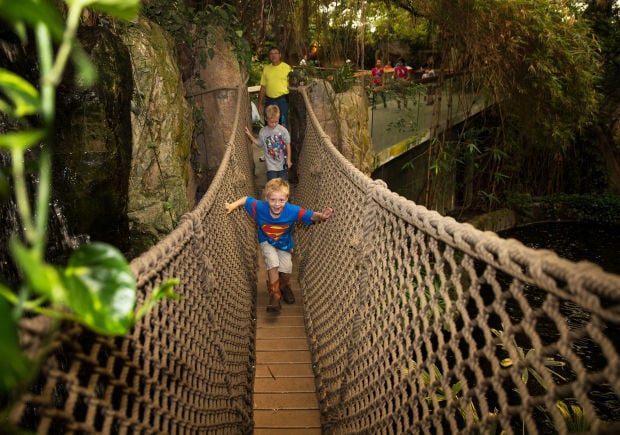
[[418, 323], [187, 367]]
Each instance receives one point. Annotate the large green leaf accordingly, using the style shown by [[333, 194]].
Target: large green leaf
[[42, 278], [14, 367], [33, 12], [24, 98], [101, 288], [21, 140], [123, 9]]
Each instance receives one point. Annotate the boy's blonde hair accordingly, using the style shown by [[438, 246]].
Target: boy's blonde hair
[[277, 185], [272, 111]]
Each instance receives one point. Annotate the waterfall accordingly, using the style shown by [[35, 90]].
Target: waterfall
[[60, 242]]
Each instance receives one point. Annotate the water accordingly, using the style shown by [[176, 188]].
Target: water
[[579, 241], [60, 241], [575, 241]]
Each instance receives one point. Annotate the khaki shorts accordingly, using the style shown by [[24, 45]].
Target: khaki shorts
[[276, 258]]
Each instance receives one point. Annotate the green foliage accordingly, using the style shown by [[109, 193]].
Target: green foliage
[[573, 414], [343, 79], [604, 17], [586, 208], [387, 21], [168, 207], [96, 288], [255, 71], [100, 288], [538, 59], [574, 417], [14, 366], [196, 27], [525, 359], [441, 395]]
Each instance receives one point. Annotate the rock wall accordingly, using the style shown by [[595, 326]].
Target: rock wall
[[213, 89], [344, 118], [161, 183]]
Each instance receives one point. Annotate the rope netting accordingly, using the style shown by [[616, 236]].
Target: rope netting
[[418, 323], [187, 367]]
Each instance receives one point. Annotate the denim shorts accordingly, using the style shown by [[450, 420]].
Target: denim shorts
[[277, 174]]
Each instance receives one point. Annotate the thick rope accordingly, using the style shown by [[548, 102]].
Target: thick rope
[[417, 323]]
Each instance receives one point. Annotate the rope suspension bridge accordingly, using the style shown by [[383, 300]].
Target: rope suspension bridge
[[415, 323]]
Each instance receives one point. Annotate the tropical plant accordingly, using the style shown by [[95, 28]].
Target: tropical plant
[[441, 395], [526, 357], [97, 287], [195, 27], [574, 417]]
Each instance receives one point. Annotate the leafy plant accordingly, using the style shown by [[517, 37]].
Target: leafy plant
[[441, 395], [343, 79], [573, 415], [195, 27], [96, 288], [526, 357]]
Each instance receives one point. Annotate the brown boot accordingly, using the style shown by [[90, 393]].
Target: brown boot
[[285, 288], [274, 297]]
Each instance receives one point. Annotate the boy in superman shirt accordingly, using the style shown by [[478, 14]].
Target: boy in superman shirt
[[275, 218]]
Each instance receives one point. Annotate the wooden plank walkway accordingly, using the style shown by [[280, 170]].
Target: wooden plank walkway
[[285, 399]]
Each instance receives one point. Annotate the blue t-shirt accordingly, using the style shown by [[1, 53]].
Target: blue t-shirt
[[277, 231]]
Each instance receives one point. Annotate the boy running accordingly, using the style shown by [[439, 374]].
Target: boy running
[[275, 218]]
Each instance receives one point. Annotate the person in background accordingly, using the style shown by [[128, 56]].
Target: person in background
[[274, 85], [275, 218], [401, 74], [376, 82], [429, 73], [304, 61], [275, 140]]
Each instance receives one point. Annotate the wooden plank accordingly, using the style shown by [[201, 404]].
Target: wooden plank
[[285, 399], [272, 401], [263, 299], [286, 431], [287, 310], [298, 356], [282, 344], [284, 369], [284, 385], [266, 319], [276, 332], [286, 418]]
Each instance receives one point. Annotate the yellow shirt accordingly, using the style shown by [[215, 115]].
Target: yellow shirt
[[275, 79]]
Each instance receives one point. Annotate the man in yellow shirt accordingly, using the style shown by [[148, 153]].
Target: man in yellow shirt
[[274, 85]]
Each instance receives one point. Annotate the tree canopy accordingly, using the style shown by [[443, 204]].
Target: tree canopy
[[547, 64]]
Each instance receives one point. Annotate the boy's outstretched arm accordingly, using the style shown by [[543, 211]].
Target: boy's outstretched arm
[[251, 136], [321, 216], [232, 206]]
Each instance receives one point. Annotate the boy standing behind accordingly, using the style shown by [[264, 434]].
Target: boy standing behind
[[276, 142], [275, 218]]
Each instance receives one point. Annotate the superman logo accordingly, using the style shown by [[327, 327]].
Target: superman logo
[[274, 231]]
